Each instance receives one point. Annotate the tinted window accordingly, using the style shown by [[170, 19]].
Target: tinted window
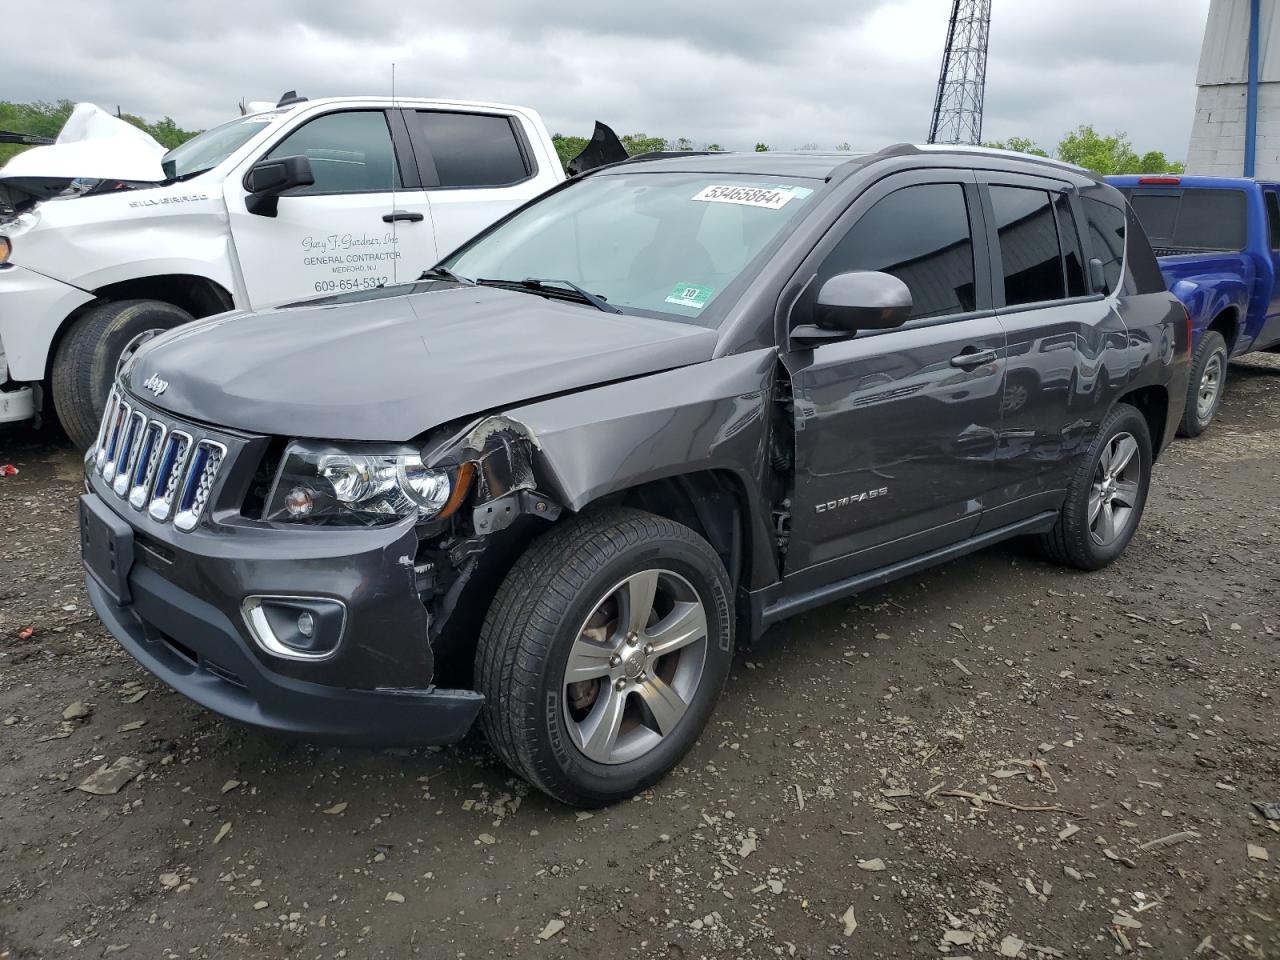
[[473, 150], [1273, 219], [349, 153], [1192, 219], [1029, 250], [920, 235], [1106, 238], [1069, 239]]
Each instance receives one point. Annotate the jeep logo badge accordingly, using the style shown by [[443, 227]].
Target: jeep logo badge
[[155, 384]]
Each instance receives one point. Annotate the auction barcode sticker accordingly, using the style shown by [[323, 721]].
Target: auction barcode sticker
[[771, 198]]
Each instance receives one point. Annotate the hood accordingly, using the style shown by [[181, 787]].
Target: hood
[[390, 364], [93, 145]]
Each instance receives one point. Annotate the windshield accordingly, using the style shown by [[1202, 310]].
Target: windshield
[[667, 243], [213, 146]]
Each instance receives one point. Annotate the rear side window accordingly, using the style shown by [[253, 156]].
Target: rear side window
[[1192, 220], [1273, 219], [919, 234], [350, 152], [1106, 238], [1029, 251], [473, 149]]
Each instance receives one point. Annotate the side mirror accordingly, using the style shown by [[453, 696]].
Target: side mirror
[[849, 302], [1097, 276], [267, 179]]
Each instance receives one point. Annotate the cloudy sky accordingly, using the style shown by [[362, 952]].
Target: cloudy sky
[[862, 71]]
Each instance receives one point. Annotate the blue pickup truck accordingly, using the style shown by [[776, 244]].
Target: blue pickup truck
[[1218, 244]]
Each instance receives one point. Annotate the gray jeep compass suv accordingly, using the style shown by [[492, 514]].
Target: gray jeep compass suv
[[663, 406]]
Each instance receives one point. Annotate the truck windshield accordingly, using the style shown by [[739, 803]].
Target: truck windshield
[[666, 243], [1191, 220], [210, 148]]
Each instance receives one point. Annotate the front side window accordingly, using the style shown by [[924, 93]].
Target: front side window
[[667, 243], [350, 152], [472, 149], [919, 234], [1029, 251], [1069, 239]]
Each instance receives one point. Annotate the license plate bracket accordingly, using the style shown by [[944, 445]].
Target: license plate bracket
[[106, 547]]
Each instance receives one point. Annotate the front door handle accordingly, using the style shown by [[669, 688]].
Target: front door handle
[[973, 358], [405, 215]]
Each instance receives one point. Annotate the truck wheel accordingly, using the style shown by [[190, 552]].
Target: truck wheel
[[92, 353], [603, 655], [1206, 386], [1106, 496]]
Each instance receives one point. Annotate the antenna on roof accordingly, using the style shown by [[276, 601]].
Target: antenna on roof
[[290, 98]]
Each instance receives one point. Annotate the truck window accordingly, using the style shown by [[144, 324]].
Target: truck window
[[473, 149], [919, 234], [350, 152], [1029, 251], [1106, 238], [1273, 219], [1191, 220]]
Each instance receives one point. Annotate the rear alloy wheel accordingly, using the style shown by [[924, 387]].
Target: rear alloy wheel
[[1207, 384], [1106, 496], [603, 654]]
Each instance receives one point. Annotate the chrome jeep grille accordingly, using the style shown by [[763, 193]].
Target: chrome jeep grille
[[164, 467]]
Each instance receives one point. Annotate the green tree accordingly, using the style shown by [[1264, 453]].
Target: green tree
[[567, 147], [44, 119], [680, 143], [1112, 154], [845, 147], [637, 143], [762, 148], [1018, 144]]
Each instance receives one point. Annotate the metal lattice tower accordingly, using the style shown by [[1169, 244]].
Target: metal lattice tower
[[957, 110]]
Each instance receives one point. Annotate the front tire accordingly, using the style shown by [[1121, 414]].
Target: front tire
[[1206, 385], [91, 353], [603, 655], [1107, 495]]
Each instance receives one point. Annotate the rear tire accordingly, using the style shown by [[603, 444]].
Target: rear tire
[[85, 364], [1206, 385], [565, 611], [1106, 497]]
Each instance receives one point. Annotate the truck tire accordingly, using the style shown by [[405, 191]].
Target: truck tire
[[1206, 385], [89, 355], [1106, 496], [603, 655]]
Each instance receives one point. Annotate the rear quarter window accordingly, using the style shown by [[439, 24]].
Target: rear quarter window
[[1118, 240]]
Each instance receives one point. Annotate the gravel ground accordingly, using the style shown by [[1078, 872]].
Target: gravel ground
[[996, 758]]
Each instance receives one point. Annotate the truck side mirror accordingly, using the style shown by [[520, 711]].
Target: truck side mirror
[[267, 179], [849, 302]]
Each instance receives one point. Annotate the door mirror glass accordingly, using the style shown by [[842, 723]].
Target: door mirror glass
[[269, 178], [862, 300]]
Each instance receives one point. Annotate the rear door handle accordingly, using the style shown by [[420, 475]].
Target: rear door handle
[[973, 358], [405, 215]]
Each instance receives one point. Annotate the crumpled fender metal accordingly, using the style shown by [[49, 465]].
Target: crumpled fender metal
[[706, 416]]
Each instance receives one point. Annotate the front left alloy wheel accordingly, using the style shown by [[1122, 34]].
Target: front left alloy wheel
[[603, 655]]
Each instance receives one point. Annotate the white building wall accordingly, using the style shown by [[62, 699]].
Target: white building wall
[[1217, 134]]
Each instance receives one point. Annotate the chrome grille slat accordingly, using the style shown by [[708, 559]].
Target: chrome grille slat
[[144, 471], [128, 451], [155, 464], [172, 464]]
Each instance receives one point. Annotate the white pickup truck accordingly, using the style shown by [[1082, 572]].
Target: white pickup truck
[[309, 198]]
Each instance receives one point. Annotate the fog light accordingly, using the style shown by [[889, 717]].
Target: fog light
[[295, 628]]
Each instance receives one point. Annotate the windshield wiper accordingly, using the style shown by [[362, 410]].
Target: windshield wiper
[[444, 273], [565, 289]]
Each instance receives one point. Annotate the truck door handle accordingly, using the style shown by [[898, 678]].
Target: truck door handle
[[405, 215], [973, 358]]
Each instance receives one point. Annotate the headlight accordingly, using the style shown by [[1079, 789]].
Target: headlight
[[6, 248], [333, 485]]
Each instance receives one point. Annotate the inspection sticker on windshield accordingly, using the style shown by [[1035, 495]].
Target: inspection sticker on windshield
[[771, 198], [690, 295]]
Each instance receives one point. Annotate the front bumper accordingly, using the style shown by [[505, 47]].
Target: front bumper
[[180, 617]]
